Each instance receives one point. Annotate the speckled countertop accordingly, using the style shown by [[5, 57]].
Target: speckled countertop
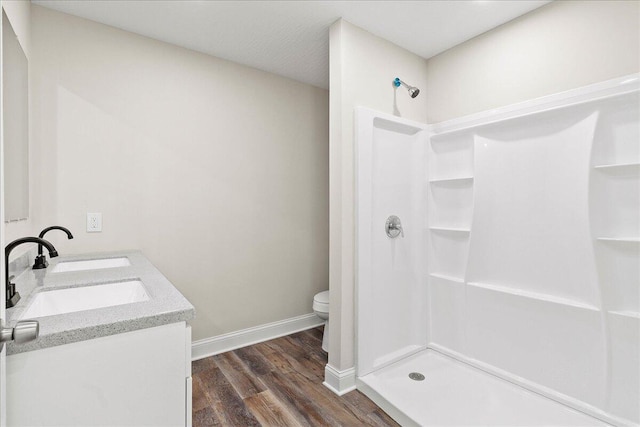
[[165, 305]]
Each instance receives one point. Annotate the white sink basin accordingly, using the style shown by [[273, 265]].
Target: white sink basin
[[50, 303], [90, 264]]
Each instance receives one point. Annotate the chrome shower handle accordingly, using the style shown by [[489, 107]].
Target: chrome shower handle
[[393, 227]]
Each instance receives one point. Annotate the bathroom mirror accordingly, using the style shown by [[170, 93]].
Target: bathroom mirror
[[15, 120]]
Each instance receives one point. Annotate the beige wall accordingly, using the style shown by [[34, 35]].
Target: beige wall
[[217, 172], [560, 46], [362, 69], [19, 14]]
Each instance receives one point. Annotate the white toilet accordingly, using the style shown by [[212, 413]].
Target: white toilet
[[321, 308]]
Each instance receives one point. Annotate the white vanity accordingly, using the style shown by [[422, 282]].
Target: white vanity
[[114, 347]]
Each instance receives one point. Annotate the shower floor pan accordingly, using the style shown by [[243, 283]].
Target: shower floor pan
[[456, 394]]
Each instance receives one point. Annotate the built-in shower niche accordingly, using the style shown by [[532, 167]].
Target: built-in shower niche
[[615, 203], [617, 137], [615, 173], [450, 156], [615, 209], [449, 204]]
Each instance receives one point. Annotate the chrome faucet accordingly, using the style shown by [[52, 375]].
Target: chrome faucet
[[12, 296], [41, 260]]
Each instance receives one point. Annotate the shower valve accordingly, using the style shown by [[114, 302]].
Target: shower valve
[[393, 227]]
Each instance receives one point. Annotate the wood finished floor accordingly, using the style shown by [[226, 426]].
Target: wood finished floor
[[276, 383]]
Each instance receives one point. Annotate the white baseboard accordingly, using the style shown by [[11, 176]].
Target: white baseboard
[[233, 340], [339, 382]]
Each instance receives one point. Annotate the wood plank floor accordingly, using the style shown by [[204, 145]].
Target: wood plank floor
[[276, 383]]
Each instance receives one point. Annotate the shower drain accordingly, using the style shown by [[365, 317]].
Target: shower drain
[[416, 376]]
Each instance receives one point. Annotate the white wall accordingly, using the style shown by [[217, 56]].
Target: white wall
[[217, 172], [560, 46], [362, 68]]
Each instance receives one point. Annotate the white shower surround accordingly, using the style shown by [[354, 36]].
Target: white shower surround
[[398, 157], [527, 229]]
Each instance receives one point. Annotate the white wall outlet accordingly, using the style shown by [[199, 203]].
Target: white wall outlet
[[94, 222]]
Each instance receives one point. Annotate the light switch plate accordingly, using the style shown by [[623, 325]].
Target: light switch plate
[[94, 222]]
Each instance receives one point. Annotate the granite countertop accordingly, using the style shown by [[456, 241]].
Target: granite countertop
[[165, 305]]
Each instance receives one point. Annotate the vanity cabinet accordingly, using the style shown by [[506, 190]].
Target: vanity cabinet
[[136, 378]]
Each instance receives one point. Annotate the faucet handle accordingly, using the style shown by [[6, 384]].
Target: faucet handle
[[11, 278], [393, 227]]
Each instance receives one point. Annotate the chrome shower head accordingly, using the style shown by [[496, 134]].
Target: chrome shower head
[[413, 91]]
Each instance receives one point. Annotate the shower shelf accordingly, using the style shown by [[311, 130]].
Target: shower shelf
[[619, 168], [626, 313], [534, 295], [463, 178], [620, 239], [448, 134], [450, 230], [445, 277]]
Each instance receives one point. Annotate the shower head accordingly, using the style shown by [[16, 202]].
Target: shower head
[[413, 91]]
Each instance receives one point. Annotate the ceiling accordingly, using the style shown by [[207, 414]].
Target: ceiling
[[291, 38]]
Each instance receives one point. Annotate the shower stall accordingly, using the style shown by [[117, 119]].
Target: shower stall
[[507, 290]]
